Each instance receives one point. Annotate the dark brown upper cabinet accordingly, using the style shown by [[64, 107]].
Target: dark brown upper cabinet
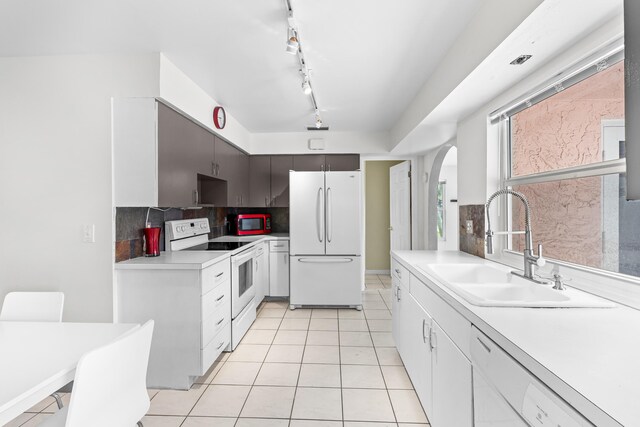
[[259, 181], [280, 167], [342, 162], [326, 162], [184, 151], [232, 165]]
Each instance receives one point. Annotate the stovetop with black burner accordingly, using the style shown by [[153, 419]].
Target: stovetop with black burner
[[225, 246]]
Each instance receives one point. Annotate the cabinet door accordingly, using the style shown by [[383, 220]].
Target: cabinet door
[[452, 386], [279, 274], [342, 162], [259, 181], [308, 162], [280, 167], [177, 176], [233, 167], [418, 355]]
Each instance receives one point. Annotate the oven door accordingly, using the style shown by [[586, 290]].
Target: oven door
[[242, 280]]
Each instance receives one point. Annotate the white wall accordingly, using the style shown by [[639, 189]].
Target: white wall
[[335, 142], [55, 173], [180, 91]]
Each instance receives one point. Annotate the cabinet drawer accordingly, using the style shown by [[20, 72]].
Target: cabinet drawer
[[279, 245], [213, 325], [218, 344], [400, 273], [216, 300], [453, 323], [215, 275]]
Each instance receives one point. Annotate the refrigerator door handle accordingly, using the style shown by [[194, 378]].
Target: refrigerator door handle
[[319, 211], [329, 216], [320, 260]]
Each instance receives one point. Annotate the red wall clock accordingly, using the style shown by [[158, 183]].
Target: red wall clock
[[219, 117]]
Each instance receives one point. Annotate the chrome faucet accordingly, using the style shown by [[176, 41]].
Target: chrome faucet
[[530, 260]]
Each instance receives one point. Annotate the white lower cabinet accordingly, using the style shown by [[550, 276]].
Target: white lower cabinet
[[418, 357], [192, 313], [279, 268], [452, 383], [439, 371], [261, 281]]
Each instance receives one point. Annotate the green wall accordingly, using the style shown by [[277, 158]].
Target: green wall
[[377, 244]]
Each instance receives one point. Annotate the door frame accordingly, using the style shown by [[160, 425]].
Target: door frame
[[416, 171]]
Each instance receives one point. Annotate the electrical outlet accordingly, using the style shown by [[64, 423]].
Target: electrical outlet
[[469, 226], [89, 233]]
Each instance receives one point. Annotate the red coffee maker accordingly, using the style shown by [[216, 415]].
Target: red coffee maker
[[152, 241]]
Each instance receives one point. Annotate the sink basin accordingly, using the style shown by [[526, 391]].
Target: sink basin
[[489, 286]]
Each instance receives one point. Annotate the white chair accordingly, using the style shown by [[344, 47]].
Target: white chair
[[110, 385], [33, 306]]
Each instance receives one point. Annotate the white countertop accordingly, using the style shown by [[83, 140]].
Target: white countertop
[[196, 259], [178, 260], [589, 356]]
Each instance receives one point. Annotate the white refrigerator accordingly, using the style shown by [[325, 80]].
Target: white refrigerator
[[325, 221]]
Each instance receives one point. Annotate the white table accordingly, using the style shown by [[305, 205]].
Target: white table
[[37, 358]]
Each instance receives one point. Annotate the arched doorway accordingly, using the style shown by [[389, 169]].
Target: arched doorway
[[442, 205]]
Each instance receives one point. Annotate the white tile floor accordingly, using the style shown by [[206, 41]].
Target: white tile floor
[[300, 368]]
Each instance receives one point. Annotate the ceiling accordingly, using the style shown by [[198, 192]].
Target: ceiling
[[367, 62], [554, 27]]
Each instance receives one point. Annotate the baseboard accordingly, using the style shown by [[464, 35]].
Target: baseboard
[[387, 272]]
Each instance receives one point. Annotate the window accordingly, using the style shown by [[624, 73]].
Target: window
[[565, 154], [442, 210]]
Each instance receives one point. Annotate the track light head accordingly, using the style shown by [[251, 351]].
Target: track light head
[[293, 45], [306, 87]]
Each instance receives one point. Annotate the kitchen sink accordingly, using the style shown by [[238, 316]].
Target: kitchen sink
[[489, 286]]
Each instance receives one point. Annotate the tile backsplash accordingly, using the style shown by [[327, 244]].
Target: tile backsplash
[[131, 221], [472, 243]]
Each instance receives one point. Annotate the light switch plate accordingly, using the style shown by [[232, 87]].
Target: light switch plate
[[89, 233], [469, 226]]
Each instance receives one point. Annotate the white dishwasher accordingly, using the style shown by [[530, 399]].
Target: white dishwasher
[[505, 394]]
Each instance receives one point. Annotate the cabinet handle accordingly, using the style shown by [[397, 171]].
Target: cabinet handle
[[195, 196], [220, 345], [329, 167], [217, 169], [398, 294], [433, 339], [278, 246], [424, 336], [219, 274], [486, 347], [220, 321], [220, 298], [213, 168]]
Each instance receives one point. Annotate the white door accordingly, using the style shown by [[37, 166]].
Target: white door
[[400, 199], [452, 383], [306, 213], [344, 218]]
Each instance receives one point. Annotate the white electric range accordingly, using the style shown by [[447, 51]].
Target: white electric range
[[193, 235]]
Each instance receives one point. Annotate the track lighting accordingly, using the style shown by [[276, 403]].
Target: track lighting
[[294, 47]]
